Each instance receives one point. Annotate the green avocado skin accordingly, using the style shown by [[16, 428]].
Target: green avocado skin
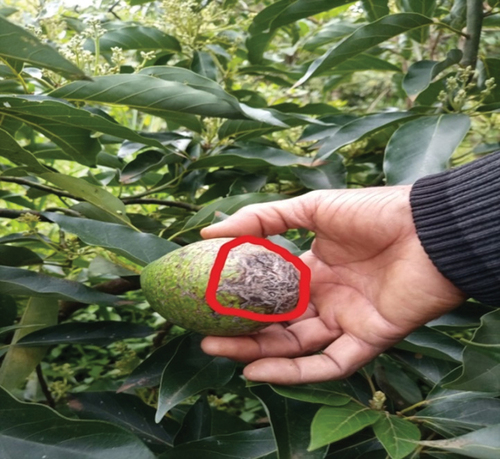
[[175, 287]]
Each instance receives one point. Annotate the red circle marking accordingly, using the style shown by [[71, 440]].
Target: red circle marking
[[216, 272]]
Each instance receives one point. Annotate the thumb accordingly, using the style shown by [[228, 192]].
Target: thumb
[[266, 219]]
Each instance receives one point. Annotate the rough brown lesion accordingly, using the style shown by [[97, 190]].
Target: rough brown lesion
[[262, 279]]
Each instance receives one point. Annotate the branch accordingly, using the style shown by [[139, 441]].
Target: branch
[[13, 214], [113, 287], [39, 186], [161, 202], [474, 26]]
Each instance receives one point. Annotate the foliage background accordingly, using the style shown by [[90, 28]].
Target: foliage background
[[127, 127]]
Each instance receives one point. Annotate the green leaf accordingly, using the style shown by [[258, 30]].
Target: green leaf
[[197, 423], [95, 195], [31, 430], [431, 342], [141, 38], [450, 414], [280, 14], [424, 7], [251, 444], [200, 83], [228, 206], [334, 423], [69, 127], [18, 44], [204, 64], [18, 256], [11, 150], [148, 373], [402, 390], [251, 157], [423, 146], [285, 12], [331, 393], [143, 163], [328, 175], [8, 310], [19, 363], [375, 9], [16, 281], [481, 444], [290, 421], [481, 358], [188, 372], [363, 39], [364, 62], [330, 32], [421, 73], [358, 129], [399, 436], [143, 248], [126, 411], [99, 333]]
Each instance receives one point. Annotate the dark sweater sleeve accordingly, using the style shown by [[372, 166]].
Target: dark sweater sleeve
[[457, 216]]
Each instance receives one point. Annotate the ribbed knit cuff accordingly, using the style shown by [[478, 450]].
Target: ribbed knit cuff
[[457, 216]]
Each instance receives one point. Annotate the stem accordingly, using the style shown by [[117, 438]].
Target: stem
[[43, 385], [414, 406], [49, 189], [474, 26], [18, 75], [161, 202], [446, 26]]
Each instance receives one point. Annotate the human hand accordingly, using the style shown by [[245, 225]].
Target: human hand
[[371, 284]]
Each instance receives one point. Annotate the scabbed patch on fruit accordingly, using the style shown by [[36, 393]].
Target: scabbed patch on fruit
[[254, 278]]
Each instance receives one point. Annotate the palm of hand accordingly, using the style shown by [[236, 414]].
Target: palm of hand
[[372, 284]]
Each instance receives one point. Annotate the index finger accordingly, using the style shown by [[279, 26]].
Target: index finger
[[266, 219]]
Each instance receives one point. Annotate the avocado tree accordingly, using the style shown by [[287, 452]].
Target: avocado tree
[[125, 128]]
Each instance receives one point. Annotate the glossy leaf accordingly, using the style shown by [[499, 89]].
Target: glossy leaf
[[99, 333], [30, 430], [395, 383], [18, 256], [67, 126], [481, 358], [141, 38], [480, 444], [330, 174], [290, 421], [188, 372], [228, 206], [126, 411], [11, 150], [251, 157], [200, 83], [17, 44], [95, 195], [8, 310], [421, 73], [357, 129], [16, 281], [143, 163], [284, 12], [451, 415], [334, 423], [251, 444], [431, 342], [204, 64], [19, 363], [398, 435], [329, 33], [142, 248], [363, 39], [148, 373], [424, 7], [332, 393], [197, 423], [375, 9], [364, 62], [423, 146]]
